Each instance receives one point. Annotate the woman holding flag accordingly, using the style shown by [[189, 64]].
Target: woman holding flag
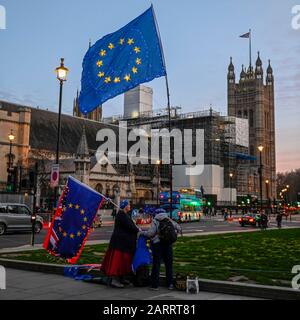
[[117, 262]]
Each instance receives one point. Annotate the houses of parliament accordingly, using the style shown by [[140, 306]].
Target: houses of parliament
[[252, 97]]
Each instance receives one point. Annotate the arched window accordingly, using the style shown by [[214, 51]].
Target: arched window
[[99, 188], [245, 114]]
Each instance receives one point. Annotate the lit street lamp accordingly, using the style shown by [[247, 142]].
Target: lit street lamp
[[158, 163], [230, 186], [287, 194], [260, 149], [61, 75], [11, 138], [267, 182]]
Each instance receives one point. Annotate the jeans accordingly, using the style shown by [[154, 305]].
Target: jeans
[[163, 252]]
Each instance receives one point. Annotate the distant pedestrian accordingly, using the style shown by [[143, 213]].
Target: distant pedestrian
[[163, 232], [264, 220], [225, 214], [279, 220]]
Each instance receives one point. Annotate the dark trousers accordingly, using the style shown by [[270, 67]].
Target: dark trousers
[[163, 252]]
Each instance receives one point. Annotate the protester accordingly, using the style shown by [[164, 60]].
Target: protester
[[117, 262], [264, 220], [279, 220], [163, 232]]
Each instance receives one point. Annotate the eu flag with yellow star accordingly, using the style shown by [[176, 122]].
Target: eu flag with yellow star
[[121, 61], [73, 220]]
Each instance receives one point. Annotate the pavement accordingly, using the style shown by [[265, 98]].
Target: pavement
[[27, 285]]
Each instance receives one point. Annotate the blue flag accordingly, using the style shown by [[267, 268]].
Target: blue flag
[[121, 61], [143, 254], [73, 220]]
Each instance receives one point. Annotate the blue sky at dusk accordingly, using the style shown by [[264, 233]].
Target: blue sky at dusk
[[198, 39]]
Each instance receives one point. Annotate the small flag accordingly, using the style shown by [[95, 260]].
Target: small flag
[[246, 35], [121, 61], [73, 220]]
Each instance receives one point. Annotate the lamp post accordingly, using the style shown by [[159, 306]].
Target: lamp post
[[260, 149], [11, 138], [61, 75], [230, 186], [287, 194], [158, 163], [267, 192]]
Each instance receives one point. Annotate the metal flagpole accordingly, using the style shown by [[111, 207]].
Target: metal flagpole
[[250, 48], [169, 115]]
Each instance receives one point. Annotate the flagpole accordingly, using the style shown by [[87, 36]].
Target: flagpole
[[250, 48], [169, 113]]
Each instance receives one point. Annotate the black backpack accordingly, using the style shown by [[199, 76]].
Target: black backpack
[[166, 231]]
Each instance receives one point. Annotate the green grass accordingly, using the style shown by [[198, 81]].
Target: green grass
[[265, 257]]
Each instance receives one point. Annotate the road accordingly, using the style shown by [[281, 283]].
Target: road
[[213, 225]]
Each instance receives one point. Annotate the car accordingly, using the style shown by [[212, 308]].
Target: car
[[17, 217], [250, 219]]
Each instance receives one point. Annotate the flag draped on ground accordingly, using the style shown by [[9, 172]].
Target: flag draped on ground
[[120, 61], [73, 220]]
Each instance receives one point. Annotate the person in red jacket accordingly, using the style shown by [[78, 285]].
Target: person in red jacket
[[117, 261]]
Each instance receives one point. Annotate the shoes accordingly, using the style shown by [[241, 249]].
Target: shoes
[[125, 282], [115, 283], [171, 287], [154, 288]]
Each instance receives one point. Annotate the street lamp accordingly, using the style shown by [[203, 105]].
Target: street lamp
[[267, 182], [61, 75], [260, 149], [158, 163], [230, 186], [287, 194], [11, 138]]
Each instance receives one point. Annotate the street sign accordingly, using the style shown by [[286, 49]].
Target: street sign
[[54, 179]]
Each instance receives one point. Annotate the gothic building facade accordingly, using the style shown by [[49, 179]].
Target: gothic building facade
[[95, 115], [253, 98]]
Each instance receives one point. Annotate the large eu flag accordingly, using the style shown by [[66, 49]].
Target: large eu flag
[[121, 61], [73, 220]]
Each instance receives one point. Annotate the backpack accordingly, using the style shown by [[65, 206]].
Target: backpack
[[166, 231]]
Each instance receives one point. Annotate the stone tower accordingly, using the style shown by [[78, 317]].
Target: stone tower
[[253, 99], [82, 160], [95, 115]]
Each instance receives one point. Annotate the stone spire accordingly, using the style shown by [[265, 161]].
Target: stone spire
[[82, 148], [82, 160]]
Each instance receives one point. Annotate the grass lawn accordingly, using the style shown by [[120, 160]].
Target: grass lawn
[[264, 257]]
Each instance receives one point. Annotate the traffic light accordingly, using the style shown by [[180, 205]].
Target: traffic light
[[12, 179]]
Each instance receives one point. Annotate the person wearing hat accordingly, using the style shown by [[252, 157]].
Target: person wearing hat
[[118, 258], [161, 250]]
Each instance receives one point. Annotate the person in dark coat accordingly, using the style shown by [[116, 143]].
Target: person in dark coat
[[117, 262], [279, 220]]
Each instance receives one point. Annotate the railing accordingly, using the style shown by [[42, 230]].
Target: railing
[[175, 113]]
